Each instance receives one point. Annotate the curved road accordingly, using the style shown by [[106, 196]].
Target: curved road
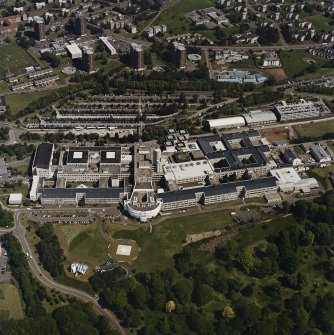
[[19, 232]]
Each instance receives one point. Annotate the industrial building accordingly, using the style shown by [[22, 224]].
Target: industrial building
[[227, 122], [294, 111], [259, 117]]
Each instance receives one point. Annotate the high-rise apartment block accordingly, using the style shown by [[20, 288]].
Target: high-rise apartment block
[[137, 56]]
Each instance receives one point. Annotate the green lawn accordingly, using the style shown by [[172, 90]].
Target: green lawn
[[158, 248], [17, 102], [14, 59], [322, 175], [10, 303], [320, 22], [174, 17], [82, 243], [315, 129], [296, 61]]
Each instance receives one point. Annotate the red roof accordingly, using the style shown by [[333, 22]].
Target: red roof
[[12, 17]]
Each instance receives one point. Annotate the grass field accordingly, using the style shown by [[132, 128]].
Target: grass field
[[10, 303], [320, 22], [322, 175], [296, 61], [174, 17], [14, 59], [166, 239], [17, 102], [82, 243], [317, 129]]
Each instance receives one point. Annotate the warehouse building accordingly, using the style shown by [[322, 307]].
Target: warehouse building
[[294, 111], [227, 123], [259, 117]]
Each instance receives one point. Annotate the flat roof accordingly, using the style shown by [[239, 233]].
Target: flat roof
[[71, 193], [77, 156], [43, 155], [2, 101], [259, 116], [286, 175], [73, 49], [192, 169], [227, 122], [110, 156]]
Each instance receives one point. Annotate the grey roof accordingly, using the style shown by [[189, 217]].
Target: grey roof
[[2, 101], [258, 117], [213, 190], [204, 143], [257, 153], [43, 155], [96, 148], [72, 159], [180, 195], [319, 153], [255, 184], [71, 193], [289, 156], [116, 159]]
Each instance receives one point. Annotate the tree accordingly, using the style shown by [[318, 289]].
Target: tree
[[183, 290], [203, 294], [228, 312], [170, 306], [183, 259], [162, 326]]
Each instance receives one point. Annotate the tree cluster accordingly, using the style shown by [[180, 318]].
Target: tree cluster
[[18, 150], [49, 250]]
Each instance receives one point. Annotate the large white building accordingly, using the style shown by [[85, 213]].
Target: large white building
[[227, 122], [289, 180], [74, 51]]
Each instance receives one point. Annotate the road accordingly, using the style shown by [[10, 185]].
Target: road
[[261, 47], [20, 233]]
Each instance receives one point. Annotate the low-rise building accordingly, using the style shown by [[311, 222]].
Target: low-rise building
[[319, 154], [294, 111], [270, 59], [15, 199], [289, 181], [292, 158]]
